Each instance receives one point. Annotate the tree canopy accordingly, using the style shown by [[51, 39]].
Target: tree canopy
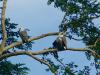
[[78, 24]]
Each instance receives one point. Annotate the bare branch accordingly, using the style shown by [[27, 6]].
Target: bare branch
[[31, 54], [26, 53], [74, 38], [31, 39], [46, 51], [40, 60], [4, 34]]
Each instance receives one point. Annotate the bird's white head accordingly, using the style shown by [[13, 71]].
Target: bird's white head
[[61, 34], [21, 28]]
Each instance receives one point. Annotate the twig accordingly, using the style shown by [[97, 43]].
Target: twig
[[64, 19], [40, 60], [26, 53]]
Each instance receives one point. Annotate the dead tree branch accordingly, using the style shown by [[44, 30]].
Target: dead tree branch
[[31, 39], [4, 34], [46, 51], [40, 60]]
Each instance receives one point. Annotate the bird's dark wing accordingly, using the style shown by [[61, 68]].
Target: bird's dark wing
[[56, 43], [24, 36]]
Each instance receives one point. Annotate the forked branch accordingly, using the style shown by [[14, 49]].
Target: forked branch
[[48, 50], [40, 60]]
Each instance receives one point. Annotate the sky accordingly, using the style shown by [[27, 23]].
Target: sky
[[40, 18]]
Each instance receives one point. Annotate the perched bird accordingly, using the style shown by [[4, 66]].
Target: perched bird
[[23, 34], [60, 43]]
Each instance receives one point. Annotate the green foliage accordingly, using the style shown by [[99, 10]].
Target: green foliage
[[54, 67], [7, 68], [79, 18], [79, 22], [68, 69], [85, 71], [13, 36]]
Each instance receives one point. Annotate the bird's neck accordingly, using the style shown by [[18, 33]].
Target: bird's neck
[[60, 35], [22, 29]]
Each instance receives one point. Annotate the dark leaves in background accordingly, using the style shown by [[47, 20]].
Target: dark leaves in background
[[6, 67], [79, 18], [13, 36]]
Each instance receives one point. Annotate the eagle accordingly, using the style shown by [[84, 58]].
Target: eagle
[[60, 43], [23, 34]]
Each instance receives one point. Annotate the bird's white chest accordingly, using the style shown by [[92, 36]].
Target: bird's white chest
[[60, 38]]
